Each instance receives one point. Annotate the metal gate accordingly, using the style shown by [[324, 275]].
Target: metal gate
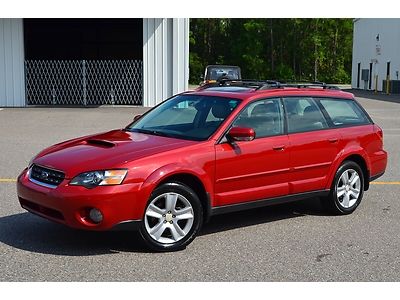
[[84, 82]]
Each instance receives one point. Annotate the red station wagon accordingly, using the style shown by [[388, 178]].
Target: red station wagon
[[215, 150]]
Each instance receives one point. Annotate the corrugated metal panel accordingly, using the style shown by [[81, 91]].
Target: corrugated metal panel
[[12, 79], [165, 58], [180, 54]]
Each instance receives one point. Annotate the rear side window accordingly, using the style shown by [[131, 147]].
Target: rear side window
[[344, 112], [303, 114]]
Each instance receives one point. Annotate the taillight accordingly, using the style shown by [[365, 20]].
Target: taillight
[[379, 132]]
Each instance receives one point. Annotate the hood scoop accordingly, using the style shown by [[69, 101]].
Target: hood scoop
[[100, 143]]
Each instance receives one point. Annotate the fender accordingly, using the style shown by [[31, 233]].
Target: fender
[[160, 174], [341, 157]]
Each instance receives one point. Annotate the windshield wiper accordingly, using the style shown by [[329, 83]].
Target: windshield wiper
[[152, 132]]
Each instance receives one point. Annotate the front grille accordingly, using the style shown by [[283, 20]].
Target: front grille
[[46, 176]]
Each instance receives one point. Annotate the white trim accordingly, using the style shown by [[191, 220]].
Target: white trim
[[165, 58], [12, 70]]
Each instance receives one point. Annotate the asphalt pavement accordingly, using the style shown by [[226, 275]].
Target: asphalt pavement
[[293, 242]]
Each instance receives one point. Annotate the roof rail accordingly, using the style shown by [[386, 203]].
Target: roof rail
[[267, 84], [251, 83], [310, 84]]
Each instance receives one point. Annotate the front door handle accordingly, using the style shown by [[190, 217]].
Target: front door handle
[[279, 148], [333, 140]]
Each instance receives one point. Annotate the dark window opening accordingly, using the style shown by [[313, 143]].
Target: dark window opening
[[370, 76], [77, 39], [358, 74], [388, 68]]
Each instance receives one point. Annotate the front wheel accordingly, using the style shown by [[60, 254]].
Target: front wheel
[[172, 218], [347, 189]]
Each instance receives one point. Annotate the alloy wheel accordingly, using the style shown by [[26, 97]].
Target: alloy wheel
[[348, 188], [169, 218]]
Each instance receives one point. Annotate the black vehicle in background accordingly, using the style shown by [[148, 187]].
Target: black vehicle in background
[[214, 73]]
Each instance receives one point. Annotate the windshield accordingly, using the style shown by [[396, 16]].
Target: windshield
[[191, 117], [216, 73]]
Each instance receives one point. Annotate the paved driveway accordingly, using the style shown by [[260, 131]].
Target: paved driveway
[[294, 242]]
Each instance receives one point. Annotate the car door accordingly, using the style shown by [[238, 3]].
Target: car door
[[313, 144], [257, 169]]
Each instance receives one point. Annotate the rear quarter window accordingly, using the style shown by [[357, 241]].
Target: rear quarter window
[[344, 112]]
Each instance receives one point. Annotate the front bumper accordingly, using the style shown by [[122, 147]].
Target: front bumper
[[70, 205]]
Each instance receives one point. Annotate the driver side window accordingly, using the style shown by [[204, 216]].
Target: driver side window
[[264, 116]]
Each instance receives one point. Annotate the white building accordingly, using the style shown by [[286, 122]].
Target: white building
[[92, 61], [376, 53]]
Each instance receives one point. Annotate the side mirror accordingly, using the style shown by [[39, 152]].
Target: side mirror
[[201, 77], [241, 134], [136, 117]]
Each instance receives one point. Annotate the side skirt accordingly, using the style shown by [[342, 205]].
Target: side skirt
[[266, 202]]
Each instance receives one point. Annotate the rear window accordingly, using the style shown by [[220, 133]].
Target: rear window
[[215, 73], [344, 112]]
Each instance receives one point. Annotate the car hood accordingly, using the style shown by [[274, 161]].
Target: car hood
[[112, 149]]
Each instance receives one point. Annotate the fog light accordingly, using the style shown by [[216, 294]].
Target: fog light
[[95, 215]]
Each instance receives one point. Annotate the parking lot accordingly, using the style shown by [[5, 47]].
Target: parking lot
[[292, 242]]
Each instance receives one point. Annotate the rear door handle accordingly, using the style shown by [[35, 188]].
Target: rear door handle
[[279, 148], [334, 140]]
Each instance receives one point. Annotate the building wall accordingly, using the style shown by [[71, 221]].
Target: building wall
[[12, 79], [365, 51], [165, 58]]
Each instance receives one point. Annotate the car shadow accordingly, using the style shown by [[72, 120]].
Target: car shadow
[[28, 232], [32, 233], [262, 215]]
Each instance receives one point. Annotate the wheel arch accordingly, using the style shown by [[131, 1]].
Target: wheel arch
[[199, 181], [359, 159], [197, 185]]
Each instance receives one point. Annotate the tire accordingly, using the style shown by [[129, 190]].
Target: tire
[[172, 218], [345, 194]]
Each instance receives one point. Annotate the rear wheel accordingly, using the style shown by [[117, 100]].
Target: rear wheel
[[347, 189], [172, 218]]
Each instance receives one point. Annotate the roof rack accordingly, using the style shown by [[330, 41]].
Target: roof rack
[[310, 85], [251, 83], [267, 84]]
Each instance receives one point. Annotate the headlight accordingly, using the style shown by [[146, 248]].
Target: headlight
[[95, 178]]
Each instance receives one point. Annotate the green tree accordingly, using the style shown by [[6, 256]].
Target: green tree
[[284, 49]]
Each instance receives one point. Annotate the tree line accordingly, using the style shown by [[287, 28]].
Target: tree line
[[281, 49]]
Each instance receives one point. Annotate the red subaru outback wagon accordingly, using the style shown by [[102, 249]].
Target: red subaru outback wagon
[[214, 150]]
